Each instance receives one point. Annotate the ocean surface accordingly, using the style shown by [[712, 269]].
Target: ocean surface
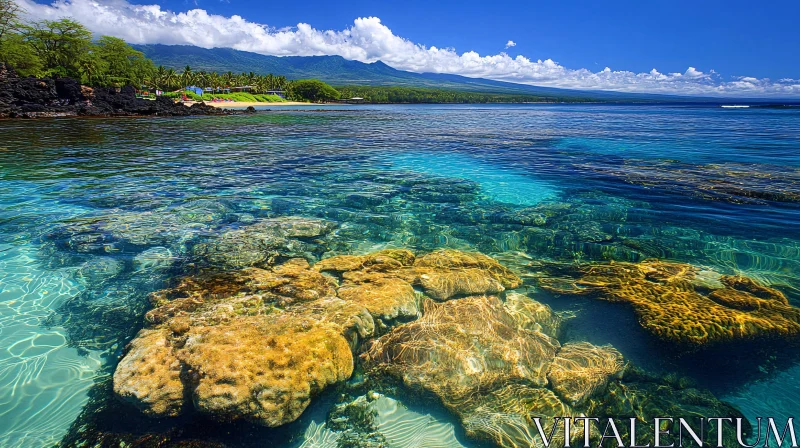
[[717, 188]]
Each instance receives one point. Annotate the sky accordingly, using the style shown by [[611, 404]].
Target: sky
[[700, 47]]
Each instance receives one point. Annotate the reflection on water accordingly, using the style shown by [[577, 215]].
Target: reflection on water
[[43, 381], [98, 214]]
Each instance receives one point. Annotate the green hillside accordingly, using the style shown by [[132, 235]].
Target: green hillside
[[338, 71]]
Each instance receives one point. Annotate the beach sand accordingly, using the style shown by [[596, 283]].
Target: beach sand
[[238, 104]]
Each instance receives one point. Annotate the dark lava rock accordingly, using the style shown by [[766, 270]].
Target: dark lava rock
[[34, 97]]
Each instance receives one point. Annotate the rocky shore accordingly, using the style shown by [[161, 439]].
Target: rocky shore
[[65, 97]]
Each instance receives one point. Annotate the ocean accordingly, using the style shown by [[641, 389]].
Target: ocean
[[99, 213]]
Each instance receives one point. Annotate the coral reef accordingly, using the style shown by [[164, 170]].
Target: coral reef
[[442, 274], [581, 369], [149, 375], [640, 396], [454, 354], [491, 371], [505, 415], [681, 303], [732, 182], [263, 242], [258, 343], [255, 344], [532, 315]]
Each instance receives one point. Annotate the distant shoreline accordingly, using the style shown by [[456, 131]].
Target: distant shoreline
[[229, 104]]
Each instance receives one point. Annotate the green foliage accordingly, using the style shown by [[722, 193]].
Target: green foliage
[[414, 95], [312, 90], [9, 18], [240, 97], [121, 64], [15, 50], [61, 45]]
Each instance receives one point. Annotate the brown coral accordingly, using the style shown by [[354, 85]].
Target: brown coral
[[454, 354], [487, 360], [580, 369], [149, 375], [678, 303], [255, 344], [443, 274], [265, 372], [505, 416], [386, 298]]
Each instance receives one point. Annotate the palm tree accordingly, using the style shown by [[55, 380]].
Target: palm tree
[[214, 80], [281, 83], [228, 79], [159, 75], [187, 77], [170, 79]]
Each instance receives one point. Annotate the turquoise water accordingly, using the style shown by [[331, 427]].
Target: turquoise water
[[98, 213]]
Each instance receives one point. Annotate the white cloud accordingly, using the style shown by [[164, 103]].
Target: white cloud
[[369, 40], [510, 44]]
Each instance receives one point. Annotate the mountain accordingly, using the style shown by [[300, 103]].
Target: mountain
[[339, 71]]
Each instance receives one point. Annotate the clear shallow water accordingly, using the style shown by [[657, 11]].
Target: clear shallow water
[[71, 298]]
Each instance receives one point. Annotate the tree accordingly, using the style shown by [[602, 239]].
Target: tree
[[59, 44], [312, 90], [9, 18], [123, 64], [93, 70], [170, 79], [187, 77], [17, 52]]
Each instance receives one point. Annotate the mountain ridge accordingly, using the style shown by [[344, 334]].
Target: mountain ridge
[[338, 71]]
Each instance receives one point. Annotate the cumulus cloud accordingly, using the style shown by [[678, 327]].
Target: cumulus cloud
[[369, 40], [510, 44]]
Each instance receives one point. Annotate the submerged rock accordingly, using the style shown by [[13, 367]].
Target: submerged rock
[[255, 344], [263, 370], [149, 375], [683, 304], [258, 344], [504, 416], [643, 397], [732, 182], [488, 361], [581, 369], [263, 242], [443, 274], [387, 299], [461, 346]]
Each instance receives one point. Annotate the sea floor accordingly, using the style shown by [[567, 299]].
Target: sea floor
[[98, 215]]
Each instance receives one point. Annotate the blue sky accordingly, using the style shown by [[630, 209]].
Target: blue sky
[[701, 47]]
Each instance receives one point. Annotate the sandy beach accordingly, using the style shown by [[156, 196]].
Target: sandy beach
[[242, 104]]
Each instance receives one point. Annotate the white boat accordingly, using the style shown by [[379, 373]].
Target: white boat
[[734, 106]]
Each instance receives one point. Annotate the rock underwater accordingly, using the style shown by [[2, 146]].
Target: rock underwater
[[259, 343], [681, 303], [493, 372]]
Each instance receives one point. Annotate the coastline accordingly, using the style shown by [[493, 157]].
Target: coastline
[[250, 104]]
